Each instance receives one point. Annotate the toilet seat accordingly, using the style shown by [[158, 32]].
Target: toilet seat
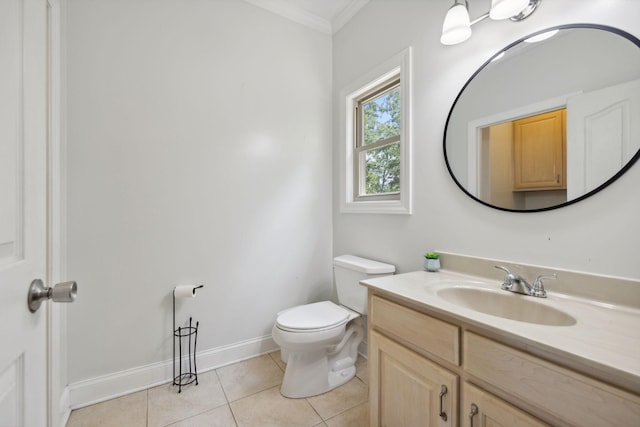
[[314, 317]]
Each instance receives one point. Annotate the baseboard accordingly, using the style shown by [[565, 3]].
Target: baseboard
[[363, 349], [94, 390], [64, 409]]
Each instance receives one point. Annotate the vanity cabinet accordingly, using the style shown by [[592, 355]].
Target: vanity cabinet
[[539, 152], [422, 366], [405, 387]]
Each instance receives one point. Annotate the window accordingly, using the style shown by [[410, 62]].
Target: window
[[375, 172], [377, 143]]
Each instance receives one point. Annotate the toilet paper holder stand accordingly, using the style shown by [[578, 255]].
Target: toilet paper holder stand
[[189, 334]]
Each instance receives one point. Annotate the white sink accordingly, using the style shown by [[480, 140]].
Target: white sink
[[505, 304]]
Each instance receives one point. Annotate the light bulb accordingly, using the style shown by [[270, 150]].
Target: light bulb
[[457, 26]]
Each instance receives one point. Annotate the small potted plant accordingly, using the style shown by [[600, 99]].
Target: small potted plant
[[431, 261]]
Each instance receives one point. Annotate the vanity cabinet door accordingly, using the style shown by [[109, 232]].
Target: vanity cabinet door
[[407, 390], [482, 409]]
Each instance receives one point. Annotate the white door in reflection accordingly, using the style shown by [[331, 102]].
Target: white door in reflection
[[603, 134]]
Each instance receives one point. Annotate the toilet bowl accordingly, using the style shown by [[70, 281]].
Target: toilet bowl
[[319, 341]]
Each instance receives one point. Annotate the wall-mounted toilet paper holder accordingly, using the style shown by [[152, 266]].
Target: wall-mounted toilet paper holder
[[61, 292]]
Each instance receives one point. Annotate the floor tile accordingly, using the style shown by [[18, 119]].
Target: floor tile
[[340, 399], [276, 356], [253, 388], [354, 417], [167, 406], [270, 409], [219, 417], [129, 410], [250, 376]]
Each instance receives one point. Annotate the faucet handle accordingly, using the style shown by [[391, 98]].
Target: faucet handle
[[538, 281], [538, 287], [509, 277], [505, 269]]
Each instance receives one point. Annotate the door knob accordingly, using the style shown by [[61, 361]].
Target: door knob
[[61, 292]]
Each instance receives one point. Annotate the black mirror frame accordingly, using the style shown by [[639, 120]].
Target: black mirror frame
[[626, 167]]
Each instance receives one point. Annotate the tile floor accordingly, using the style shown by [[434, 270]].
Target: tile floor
[[240, 395]]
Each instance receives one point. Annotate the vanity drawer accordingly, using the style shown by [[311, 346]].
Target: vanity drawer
[[431, 335], [567, 395]]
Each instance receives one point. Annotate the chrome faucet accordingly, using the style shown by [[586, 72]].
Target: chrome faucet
[[513, 282]]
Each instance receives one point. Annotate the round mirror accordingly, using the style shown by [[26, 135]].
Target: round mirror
[[549, 120]]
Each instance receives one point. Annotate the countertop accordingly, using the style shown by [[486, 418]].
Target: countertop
[[604, 342]]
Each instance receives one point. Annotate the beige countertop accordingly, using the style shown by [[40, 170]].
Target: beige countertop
[[604, 342]]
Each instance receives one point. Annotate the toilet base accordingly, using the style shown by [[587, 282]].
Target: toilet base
[[310, 373]]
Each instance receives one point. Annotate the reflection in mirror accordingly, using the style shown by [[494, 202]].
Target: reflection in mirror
[[548, 123]]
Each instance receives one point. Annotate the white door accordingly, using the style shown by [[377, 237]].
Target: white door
[[23, 201], [603, 134]]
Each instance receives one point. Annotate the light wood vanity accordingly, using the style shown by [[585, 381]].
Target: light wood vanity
[[433, 365]]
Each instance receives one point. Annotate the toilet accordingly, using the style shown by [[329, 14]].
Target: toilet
[[319, 341]]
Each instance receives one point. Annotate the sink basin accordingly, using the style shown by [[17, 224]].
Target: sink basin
[[506, 305]]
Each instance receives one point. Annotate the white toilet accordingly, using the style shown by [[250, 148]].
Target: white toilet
[[319, 341]]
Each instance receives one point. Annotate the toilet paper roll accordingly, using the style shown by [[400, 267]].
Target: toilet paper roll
[[185, 291]]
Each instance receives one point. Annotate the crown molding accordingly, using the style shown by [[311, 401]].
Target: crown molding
[[287, 10], [347, 13]]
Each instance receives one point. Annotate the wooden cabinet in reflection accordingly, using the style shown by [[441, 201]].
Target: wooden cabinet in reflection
[[539, 152]]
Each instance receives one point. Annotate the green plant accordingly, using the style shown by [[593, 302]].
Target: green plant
[[431, 255]]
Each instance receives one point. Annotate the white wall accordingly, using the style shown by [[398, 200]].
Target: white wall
[[597, 235], [199, 152]]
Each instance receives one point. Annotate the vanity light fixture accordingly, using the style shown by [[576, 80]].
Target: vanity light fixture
[[457, 24]]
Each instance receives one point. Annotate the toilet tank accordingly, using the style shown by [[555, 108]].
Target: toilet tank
[[348, 271]]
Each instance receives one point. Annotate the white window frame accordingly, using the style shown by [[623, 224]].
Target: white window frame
[[399, 65]]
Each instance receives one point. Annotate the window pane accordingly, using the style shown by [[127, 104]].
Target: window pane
[[382, 169], [381, 117]]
